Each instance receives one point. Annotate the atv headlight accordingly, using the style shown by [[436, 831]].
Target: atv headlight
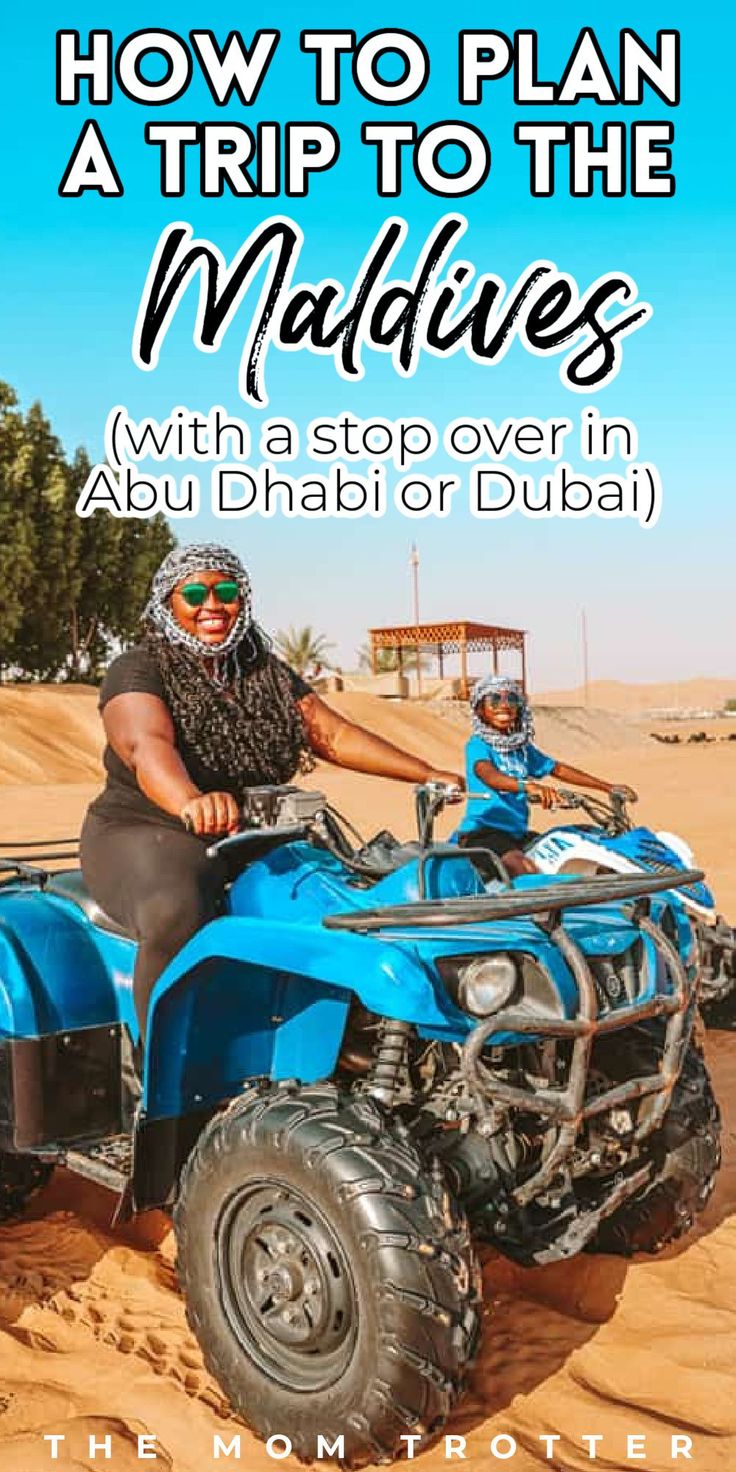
[[483, 984]]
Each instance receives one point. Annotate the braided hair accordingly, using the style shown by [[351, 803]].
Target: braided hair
[[234, 705]]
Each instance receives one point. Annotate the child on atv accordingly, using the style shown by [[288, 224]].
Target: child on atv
[[501, 758]]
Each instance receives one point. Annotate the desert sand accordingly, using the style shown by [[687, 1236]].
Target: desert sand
[[93, 1339], [620, 695]]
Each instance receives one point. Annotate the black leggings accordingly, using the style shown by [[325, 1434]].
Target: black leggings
[[498, 841], [157, 882]]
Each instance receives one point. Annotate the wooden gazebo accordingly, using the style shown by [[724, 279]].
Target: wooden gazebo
[[461, 637]]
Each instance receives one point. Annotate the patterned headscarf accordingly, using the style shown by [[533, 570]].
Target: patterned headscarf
[[501, 740], [234, 704], [181, 563]]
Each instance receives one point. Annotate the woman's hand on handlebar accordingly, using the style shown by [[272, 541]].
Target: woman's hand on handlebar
[[211, 814], [540, 792], [448, 779]]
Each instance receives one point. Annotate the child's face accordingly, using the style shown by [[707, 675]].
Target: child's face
[[500, 711]]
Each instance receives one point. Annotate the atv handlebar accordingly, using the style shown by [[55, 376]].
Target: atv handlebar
[[275, 815], [607, 810]]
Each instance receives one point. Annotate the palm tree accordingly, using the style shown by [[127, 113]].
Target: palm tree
[[303, 648]]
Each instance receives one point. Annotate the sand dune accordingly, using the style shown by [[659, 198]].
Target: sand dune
[[93, 1339], [49, 733], [694, 694]]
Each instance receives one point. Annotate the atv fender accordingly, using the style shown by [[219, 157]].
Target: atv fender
[[249, 997], [60, 1026], [53, 977]]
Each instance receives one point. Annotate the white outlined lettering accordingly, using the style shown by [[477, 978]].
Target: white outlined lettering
[[415, 75], [90, 167], [235, 67], [95, 68], [483, 56]]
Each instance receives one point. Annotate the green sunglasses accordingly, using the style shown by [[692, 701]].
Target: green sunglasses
[[509, 698], [195, 594]]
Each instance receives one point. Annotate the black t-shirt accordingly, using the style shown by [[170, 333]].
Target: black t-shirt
[[136, 672]]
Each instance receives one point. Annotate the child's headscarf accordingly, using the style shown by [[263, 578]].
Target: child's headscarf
[[501, 740]]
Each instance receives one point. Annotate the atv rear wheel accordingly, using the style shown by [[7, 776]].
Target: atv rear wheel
[[329, 1278], [687, 1155], [21, 1176]]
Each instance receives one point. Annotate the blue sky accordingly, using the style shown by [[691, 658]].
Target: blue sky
[[659, 603]]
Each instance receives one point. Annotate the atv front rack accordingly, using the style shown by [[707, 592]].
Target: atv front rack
[[566, 1109], [547, 899]]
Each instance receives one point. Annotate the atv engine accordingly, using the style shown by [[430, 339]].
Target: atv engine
[[486, 1157]]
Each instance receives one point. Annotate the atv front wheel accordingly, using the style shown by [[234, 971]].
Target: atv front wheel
[[687, 1154], [718, 961], [329, 1279], [720, 1015], [21, 1176]]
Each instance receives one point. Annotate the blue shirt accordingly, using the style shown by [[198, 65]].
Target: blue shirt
[[508, 811]]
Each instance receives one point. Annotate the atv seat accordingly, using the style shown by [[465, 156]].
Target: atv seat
[[70, 885]]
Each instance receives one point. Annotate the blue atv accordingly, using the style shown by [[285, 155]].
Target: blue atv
[[609, 843], [368, 1060]]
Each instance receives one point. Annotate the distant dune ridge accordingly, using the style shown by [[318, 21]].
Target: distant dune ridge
[[697, 694]]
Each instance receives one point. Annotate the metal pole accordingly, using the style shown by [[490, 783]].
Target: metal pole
[[414, 565], [465, 688], [586, 672]]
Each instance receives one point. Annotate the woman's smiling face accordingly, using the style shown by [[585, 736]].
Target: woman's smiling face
[[204, 606]]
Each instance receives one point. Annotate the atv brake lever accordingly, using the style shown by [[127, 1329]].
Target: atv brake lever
[[257, 838]]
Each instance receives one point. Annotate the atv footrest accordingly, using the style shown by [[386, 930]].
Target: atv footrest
[[108, 1162]]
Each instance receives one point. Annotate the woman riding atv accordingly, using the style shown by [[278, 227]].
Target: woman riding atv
[[501, 757], [197, 712]]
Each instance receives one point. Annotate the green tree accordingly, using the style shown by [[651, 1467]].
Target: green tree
[[42, 481], [73, 588], [17, 538], [143, 545], [93, 610], [117, 557], [302, 648]]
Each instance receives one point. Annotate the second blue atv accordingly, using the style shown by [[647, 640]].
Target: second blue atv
[[368, 1060], [609, 843]]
